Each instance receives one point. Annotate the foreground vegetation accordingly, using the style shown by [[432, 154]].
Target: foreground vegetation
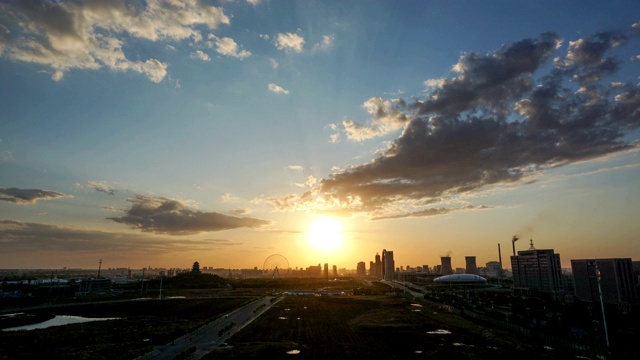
[[141, 325], [373, 327]]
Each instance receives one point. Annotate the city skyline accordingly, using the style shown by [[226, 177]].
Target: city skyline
[[226, 131]]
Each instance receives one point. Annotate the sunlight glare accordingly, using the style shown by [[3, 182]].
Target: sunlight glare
[[325, 234]]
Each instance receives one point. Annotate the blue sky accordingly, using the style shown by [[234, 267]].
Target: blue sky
[[220, 131]]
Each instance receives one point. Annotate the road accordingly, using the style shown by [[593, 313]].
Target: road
[[206, 338]]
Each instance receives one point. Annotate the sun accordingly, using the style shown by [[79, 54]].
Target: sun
[[325, 234]]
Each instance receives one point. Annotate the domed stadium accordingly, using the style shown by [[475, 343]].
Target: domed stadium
[[460, 279]]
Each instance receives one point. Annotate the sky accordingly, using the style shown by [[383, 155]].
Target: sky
[[161, 133]]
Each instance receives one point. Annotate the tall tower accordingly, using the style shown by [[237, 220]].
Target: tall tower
[[446, 265], [388, 265], [471, 265]]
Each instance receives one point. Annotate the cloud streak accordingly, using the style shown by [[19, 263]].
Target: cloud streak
[[28, 196], [496, 122], [19, 237], [167, 216], [92, 34]]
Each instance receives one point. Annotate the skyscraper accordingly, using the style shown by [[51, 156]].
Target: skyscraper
[[616, 280], [388, 265], [361, 269], [537, 270]]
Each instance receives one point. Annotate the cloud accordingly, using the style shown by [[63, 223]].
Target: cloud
[[21, 237], [199, 54], [228, 47], [28, 196], [102, 186], [228, 197], [326, 43], [386, 117], [289, 42], [91, 35], [6, 156], [499, 121], [277, 89], [167, 216]]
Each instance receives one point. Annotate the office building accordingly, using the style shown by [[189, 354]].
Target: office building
[[361, 270], [617, 280], [537, 269], [388, 265]]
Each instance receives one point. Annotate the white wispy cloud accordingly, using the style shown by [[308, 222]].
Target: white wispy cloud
[[277, 89], [228, 47], [199, 54], [290, 42], [326, 43]]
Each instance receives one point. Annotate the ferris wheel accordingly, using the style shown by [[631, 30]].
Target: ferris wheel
[[276, 265]]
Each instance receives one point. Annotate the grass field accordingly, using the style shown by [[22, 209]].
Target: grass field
[[372, 328], [142, 324]]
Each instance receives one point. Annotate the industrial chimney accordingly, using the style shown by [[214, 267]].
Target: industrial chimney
[[446, 265]]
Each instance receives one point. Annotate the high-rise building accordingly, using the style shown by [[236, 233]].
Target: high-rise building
[[616, 280], [471, 265], [537, 269], [446, 265], [388, 265], [361, 269]]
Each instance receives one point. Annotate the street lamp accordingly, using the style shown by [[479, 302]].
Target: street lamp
[[604, 320]]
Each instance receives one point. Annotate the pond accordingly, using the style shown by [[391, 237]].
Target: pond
[[58, 320]]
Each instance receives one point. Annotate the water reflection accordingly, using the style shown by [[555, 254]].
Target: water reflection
[[59, 320]]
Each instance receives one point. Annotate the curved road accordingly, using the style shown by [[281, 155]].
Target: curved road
[[206, 338]]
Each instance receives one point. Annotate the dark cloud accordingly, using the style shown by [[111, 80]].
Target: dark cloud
[[497, 122], [168, 216], [19, 237], [28, 196]]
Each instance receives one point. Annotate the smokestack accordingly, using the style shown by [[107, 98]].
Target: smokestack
[[499, 255], [513, 243], [471, 265], [446, 265]]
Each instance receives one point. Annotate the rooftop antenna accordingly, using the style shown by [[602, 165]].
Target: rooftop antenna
[[513, 243], [99, 267]]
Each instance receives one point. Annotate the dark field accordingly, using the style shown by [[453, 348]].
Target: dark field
[[142, 325], [373, 328]]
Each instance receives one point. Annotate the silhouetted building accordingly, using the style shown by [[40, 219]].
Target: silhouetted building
[[361, 270], [196, 268], [388, 265], [471, 265], [537, 270], [446, 269], [617, 281]]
